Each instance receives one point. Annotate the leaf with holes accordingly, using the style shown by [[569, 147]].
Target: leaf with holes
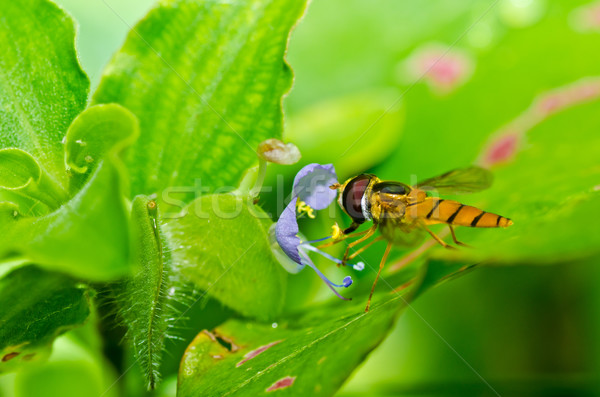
[[537, 132], [551, 209], [310, 353], [29, 322]]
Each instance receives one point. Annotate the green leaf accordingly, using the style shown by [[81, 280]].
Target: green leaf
[[315, 351], [8, 214], [73, 369], [551, 209], [37, 306], [149, 301], [24, 182], [97, 131], [548, 184], [205, 79], [343, 129], [87, 237], [18, 169], [42, 86], [221, 243]]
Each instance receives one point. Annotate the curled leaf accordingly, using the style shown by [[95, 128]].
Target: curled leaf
[[42, 85], [86, 237], [18, 169], [97, 130], [22, 175]]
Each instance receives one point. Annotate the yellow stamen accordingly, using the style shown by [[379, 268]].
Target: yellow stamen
[[302, 207], [336, 232]]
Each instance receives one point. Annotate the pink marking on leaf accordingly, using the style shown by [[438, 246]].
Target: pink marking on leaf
[[443, 69], [502, 149], [567, 97], [282, 383], [587, 91], [552, 103], [254, 353], [593, 16]]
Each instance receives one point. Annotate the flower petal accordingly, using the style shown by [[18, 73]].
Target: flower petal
[[286, 231], [311, 185], [284, 260]]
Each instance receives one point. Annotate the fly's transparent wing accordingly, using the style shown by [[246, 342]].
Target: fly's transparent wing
[[461, 181]]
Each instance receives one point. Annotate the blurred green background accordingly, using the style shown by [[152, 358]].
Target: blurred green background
[[526, 330]]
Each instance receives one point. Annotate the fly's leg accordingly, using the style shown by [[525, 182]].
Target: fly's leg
[[439, 240], [365, 247], [454, 237], [347, 233], [381, 265], [368, 234]]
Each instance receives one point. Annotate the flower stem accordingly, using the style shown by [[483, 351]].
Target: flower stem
[[260, 178]]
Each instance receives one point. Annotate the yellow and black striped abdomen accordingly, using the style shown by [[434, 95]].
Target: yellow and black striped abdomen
[[437, 210]]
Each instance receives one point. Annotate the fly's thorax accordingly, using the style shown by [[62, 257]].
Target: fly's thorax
[[354, 195], [389, 200]]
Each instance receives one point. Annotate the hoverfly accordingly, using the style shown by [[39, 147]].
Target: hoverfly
[[403, 213]]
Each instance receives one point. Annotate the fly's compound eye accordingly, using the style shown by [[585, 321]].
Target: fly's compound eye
[[353, 195], [395, 188]]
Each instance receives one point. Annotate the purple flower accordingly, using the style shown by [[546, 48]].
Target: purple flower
[[311, 186]]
